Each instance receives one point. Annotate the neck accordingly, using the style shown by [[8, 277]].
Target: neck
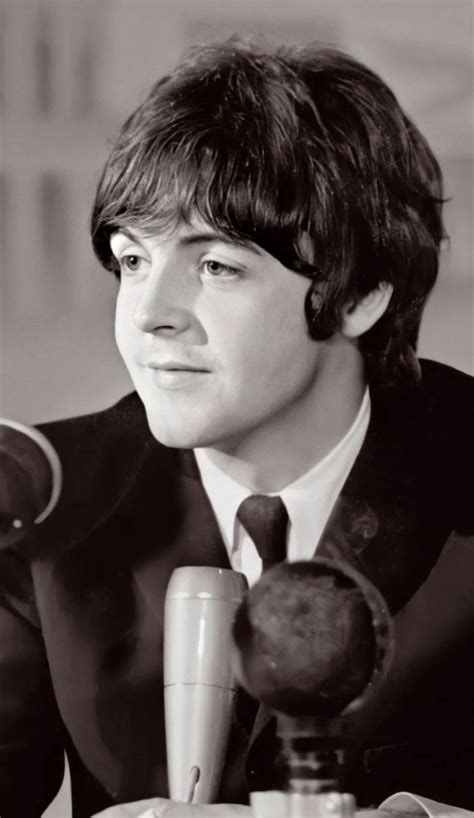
[[271, 457]]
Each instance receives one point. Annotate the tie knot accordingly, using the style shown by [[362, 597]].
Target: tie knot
[[266, 520]]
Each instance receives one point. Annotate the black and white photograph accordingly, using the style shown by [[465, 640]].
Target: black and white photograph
[[236, 409]]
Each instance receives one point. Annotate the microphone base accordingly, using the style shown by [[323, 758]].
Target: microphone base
[[276, 804]]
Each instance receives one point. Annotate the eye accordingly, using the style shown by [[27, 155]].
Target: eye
[[130, 263], [216, 269]]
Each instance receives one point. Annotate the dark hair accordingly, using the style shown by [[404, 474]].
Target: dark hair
[[305, 152]]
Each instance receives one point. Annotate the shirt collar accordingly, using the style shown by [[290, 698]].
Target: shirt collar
[[310, 499], [226, 494]]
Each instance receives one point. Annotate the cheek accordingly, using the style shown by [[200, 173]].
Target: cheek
[[278, 333], [266, 352], [124, 326]]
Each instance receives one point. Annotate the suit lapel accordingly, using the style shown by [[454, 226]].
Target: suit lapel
[[180, 527], [163, 520], [383, 522]]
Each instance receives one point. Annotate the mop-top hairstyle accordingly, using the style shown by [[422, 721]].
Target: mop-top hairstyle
[[303, 151]]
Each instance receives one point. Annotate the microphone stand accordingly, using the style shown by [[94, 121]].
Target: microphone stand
[[312, 748], [334, 641]]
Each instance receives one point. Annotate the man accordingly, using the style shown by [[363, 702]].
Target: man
[[274, 221]]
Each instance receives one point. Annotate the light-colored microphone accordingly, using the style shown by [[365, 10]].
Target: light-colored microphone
[[200, 606]]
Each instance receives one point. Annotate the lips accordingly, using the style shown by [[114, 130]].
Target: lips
[[173, 375], [174, 366]]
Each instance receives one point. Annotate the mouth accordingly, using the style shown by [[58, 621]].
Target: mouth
[[173, 375], [175, 366]]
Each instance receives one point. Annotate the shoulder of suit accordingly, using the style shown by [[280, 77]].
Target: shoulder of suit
[[125, 419], [103, 455], [446, 403], [445, 382], [117, 438], [426, 434], [443, 399]]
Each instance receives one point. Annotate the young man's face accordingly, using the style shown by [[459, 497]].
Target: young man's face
[[213, 334]]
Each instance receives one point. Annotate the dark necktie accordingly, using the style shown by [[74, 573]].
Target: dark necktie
[[266, 520]]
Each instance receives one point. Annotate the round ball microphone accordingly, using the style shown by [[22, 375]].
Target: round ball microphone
[[311, 638], [30, 480]]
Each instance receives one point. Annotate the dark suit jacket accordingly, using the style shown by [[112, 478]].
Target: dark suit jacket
[[81, 620]]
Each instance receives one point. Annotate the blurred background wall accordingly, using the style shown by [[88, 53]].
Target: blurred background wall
[[70, 70]]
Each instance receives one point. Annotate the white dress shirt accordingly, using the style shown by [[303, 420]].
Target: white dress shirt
[[309, 499]]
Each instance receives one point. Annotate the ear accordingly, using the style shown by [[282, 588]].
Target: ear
[[362, 315]]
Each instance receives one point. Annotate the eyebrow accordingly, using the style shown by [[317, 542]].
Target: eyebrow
[[198, 238]]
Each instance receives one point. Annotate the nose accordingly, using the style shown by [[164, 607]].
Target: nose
[[164, 300]]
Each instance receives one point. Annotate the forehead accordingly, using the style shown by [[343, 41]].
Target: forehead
[[187, 233]]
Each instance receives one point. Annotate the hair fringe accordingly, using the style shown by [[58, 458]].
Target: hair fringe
[[303, 151]]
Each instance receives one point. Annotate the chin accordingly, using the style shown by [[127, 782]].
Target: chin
[[177, 436], [174, 438]]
